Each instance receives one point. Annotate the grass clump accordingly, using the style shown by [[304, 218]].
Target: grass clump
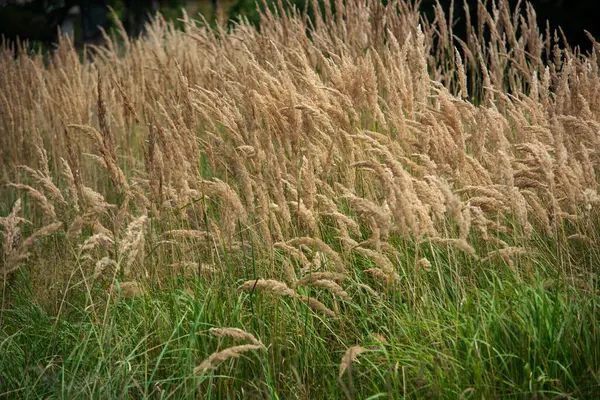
[[361, 206], [500, 337]]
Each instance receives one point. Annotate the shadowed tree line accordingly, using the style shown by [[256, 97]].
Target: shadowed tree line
[[38, 20]]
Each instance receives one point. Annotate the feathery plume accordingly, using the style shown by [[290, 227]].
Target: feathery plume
[[349, 357]]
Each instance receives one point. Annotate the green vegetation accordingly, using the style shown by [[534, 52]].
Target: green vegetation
[[477, 333]]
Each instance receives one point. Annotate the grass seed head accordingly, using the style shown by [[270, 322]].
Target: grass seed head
[[349, 357]]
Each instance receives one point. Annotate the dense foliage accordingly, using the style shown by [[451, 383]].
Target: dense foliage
[[357, 206]]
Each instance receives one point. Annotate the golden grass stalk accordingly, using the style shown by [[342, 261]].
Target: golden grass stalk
[[46, 182], [379, 259], [101, 266], [239, 130], [317, 305], [187, 233], [315, 276], [460, 244], [368, 289], [76, 227], [42, 201], [213, 361], [22, 251], [322, 247], [18, 252], [379, 274], [331, 285], [507, 253], [229, 196], [296, 253], [349, 357], [423, 265], [267, 285], [11, 233], [98, 239], [235, 333], [132, 244], [580, 236]]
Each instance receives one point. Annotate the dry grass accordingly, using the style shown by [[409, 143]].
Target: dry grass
[[349, 357], [274, 134], [217, 358], [301, 147]]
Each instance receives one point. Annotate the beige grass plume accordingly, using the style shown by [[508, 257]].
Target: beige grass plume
[[11, 233], [235, 333], [267, 285], [132, 244], [317, 305], [322, 247], [349, 357], [22, 251], [42, 201], [217, 358], [335, 288]]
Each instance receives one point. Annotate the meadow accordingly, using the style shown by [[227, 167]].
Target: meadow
[[353, 204]]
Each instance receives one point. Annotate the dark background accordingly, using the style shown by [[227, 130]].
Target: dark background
[[38, 20], [573, 16]]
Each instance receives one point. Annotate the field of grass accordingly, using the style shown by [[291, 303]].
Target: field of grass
[[355, 205]]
